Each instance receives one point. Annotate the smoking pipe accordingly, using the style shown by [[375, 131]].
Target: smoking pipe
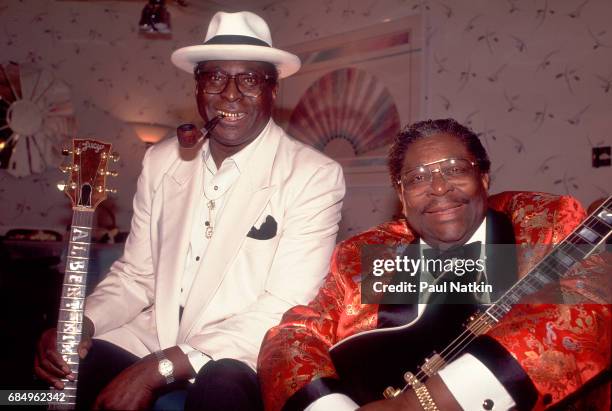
[[188, 134]]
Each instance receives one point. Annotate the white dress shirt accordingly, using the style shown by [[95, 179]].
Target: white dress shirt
[[468, 379], [218, 184]]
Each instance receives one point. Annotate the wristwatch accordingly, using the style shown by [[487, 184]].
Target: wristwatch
[[165, 367]]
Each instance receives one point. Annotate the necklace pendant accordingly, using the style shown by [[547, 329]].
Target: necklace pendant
[[208, 232]]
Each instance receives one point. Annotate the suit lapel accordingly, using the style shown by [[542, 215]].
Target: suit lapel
[[181, 190], [394, 312], [245, 204], [501, 253]]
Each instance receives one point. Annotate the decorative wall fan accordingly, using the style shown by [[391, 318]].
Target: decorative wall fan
[[36, 118], [349, 104]]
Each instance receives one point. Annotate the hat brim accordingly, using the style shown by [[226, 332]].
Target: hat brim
[[186, 58]]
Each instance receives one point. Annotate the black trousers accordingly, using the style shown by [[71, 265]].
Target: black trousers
[[223, 385]]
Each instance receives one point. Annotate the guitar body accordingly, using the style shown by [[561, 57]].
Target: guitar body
[[371, 361]]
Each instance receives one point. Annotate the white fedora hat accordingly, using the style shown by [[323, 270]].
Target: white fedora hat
[[237, 36]]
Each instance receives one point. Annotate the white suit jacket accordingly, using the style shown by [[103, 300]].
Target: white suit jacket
[[244, 284]]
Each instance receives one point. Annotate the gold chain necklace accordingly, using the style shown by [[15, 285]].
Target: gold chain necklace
[[209, 223]]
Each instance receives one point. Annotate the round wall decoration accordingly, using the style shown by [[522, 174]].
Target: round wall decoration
[[348, 104], [36, 118]]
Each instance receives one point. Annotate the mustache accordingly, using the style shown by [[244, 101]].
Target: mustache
[[451, 200]]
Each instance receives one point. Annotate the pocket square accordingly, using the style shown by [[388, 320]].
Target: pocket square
[[266, 231]]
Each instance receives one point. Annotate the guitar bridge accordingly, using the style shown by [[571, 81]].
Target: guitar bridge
[[433, 364]]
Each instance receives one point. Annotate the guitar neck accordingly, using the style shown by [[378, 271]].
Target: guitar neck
[[70, 320], [576, 247]]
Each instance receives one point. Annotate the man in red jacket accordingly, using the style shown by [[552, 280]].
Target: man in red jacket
[[536, 356]]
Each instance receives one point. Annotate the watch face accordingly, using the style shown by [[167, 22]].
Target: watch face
[[165, 367]]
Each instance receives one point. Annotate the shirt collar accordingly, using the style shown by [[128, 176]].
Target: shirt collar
[[479, 235], [239, 159]]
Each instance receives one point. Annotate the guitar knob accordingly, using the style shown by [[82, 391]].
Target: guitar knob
[[111, 190], [391, 392], [111, 173], [65, 169]]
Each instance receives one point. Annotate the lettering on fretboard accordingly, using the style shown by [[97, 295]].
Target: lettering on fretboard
[[70, 320], [576, 247]]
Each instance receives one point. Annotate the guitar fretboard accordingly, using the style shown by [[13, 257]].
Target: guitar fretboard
[[574, 248], [70, 320]]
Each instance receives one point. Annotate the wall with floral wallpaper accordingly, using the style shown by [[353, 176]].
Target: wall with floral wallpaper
[[115, 77], [533, 77]]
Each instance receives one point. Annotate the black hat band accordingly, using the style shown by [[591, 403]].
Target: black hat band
[[236, 39]]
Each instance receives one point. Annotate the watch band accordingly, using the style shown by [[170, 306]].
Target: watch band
[[165, 367]]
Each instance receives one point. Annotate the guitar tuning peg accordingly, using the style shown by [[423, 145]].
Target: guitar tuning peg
[[114, 156], [111, 173], [66, 151], [61, 185], [65, 169], [111, 190]]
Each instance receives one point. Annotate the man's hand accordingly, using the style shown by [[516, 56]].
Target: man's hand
[[49, 364], [408, 401], [134, 387]]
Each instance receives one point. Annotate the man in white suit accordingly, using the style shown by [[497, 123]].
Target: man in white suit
[[225, 238]]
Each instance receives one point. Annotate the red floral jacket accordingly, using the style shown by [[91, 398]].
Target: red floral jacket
[[559, 347]]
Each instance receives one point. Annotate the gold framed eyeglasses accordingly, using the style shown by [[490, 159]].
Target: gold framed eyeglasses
[[453, 170], [215, 82]]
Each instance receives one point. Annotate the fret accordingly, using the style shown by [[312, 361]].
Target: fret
[[543, 278], [67, 297], [513, 298], [76, 271], [576, 252], [564, 259], [527, 287], [82, 228], [81, 243], [69, 332], [71, 310], [588, 234], [66, 315], [65, 354], [70, 356], [600, 227], [505, 307]]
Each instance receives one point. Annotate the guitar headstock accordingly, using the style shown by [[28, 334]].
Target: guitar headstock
[[86, 185]]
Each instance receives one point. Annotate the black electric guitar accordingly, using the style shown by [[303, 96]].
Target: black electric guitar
[[371, 363], [86, 188]]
